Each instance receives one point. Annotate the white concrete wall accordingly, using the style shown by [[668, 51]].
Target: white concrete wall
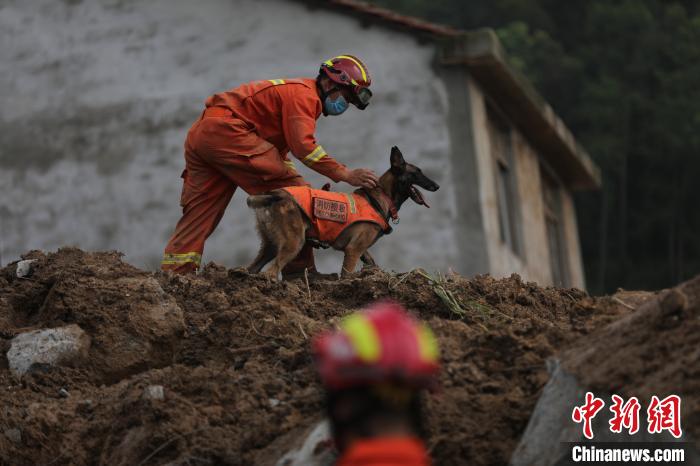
[[533, 260], [534, 233], [574, 260], [502, 260], [98, 97]]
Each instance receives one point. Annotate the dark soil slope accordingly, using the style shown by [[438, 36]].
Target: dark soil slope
[[232, 353]]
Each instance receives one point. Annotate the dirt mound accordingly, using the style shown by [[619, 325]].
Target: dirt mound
[[654, 351], [231, 351]]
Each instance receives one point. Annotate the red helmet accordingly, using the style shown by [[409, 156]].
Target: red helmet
[[348, 70], [380, 344]]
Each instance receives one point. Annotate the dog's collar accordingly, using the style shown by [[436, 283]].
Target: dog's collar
[[392, 212]]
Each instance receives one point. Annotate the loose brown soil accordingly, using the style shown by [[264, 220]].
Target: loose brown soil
[[653, 351], [225, 345]]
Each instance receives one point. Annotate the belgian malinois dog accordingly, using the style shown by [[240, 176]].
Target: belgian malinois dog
[[283, 225]]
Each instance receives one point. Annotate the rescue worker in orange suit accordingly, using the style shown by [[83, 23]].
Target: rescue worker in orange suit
[[374, 369], [242, 139]]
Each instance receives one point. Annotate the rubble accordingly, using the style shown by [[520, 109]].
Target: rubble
[[315, 449], [154, 392], [233, 350], [24, 268], [50, 347], [650, 352]]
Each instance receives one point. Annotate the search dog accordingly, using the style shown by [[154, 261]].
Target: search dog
[[284, 226]]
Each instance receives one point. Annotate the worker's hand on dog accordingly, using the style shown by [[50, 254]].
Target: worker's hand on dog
[[362, 177]]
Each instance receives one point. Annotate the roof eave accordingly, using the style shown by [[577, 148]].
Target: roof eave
[[481, 52], [370, 13]]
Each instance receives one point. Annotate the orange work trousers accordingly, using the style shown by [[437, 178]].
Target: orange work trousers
[[222, 154]]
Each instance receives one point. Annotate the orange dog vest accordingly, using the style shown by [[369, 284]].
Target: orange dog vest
[[330, 213]]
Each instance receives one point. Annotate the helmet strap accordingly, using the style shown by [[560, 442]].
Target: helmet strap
[[323, 94]]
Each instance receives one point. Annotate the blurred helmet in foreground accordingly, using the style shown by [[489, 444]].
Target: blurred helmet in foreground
[[381, 344]]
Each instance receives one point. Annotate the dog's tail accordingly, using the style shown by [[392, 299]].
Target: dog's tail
[[262, 200]]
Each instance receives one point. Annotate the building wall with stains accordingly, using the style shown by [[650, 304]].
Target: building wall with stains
[[531, 257], [98, 97], [574, 258]]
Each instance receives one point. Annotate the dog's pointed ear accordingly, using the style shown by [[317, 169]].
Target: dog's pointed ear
[[398, 164]]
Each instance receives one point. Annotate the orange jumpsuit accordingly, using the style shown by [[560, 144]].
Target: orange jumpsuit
[[399, 451], [242, 139]]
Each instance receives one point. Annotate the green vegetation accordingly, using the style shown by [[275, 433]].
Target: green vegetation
[[625, 77]]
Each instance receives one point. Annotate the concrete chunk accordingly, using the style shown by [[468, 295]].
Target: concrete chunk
[[55, 346], [24, 268], [314, 449], [154, 392]]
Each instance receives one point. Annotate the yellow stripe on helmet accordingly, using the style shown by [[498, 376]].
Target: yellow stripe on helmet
[[363, 337], [357, 62], [427, 344]]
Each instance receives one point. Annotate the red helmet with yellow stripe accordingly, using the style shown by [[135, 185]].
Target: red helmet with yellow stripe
[[348, 70], [381, 344]]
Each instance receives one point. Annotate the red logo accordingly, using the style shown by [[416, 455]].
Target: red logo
[[661, 415], [625, 415], [665, 415], [587, 412]]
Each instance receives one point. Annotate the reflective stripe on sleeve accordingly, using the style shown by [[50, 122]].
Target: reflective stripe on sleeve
[[290, 164], [315, 155], [184, 258], [276, 82]]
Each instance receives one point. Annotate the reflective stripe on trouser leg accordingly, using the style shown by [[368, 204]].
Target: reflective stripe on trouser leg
[[184, 258], [204, 205]]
